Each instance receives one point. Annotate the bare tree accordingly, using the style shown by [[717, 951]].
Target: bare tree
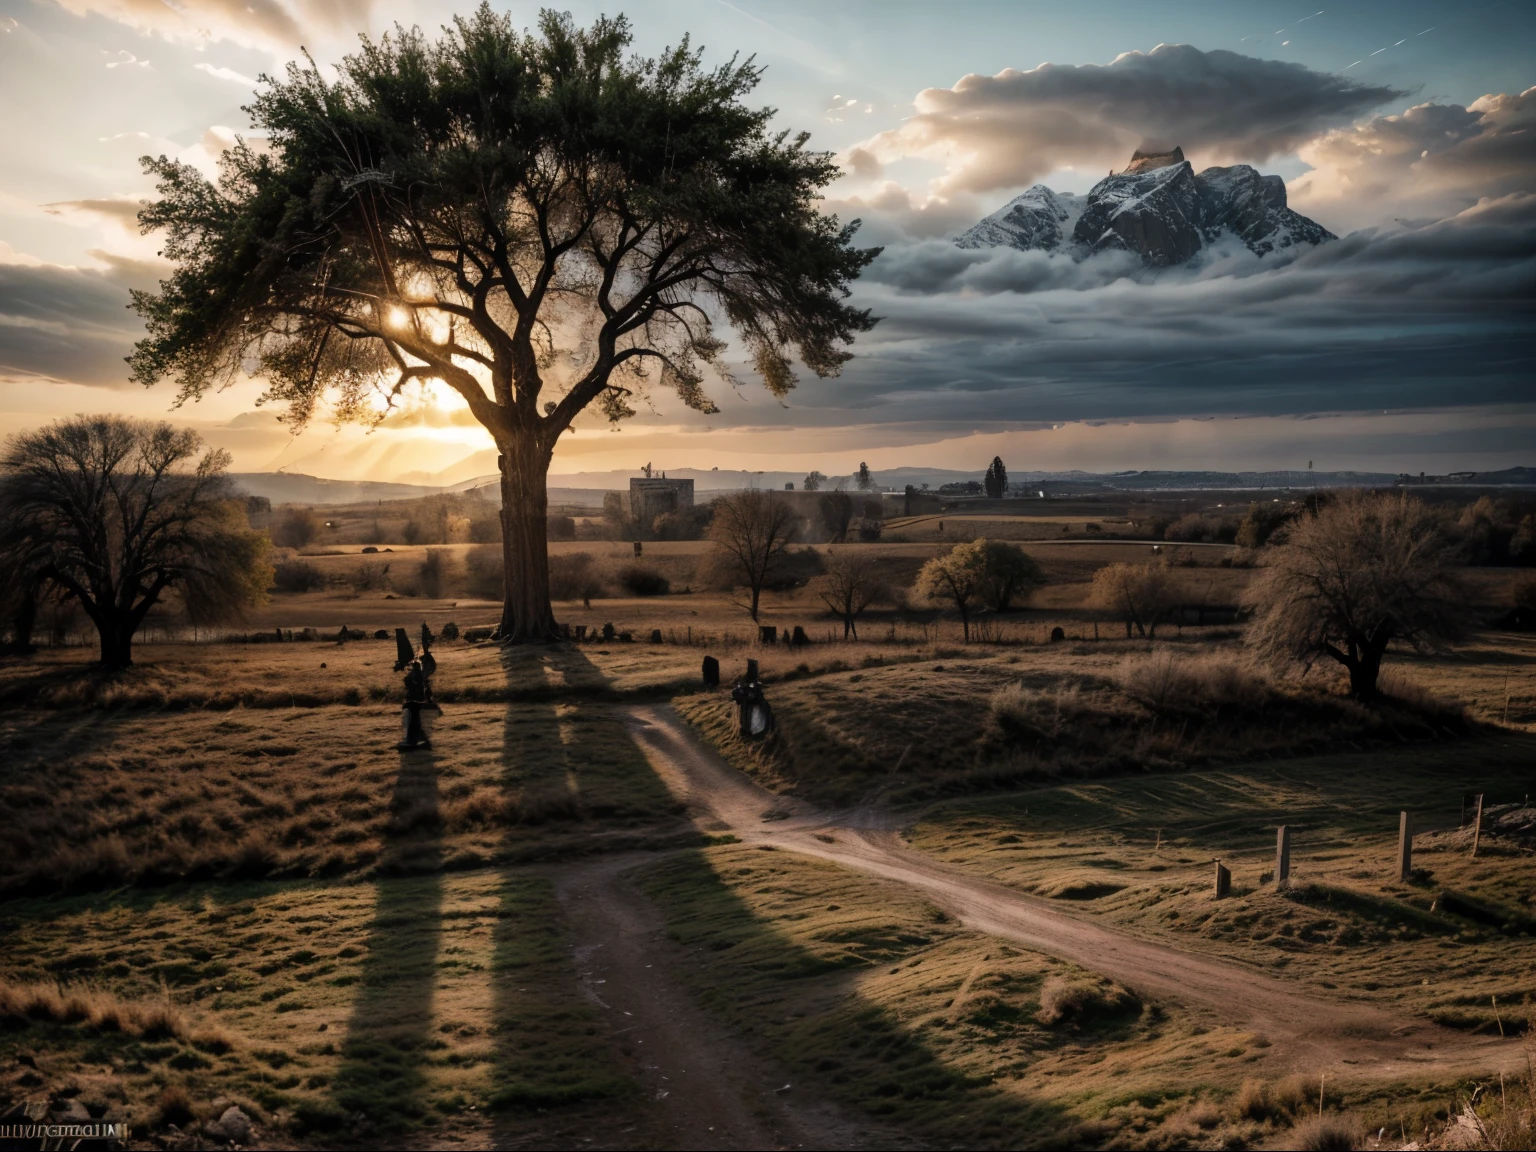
[[957, 577], [117, 513], [1139, 594], [850, 585], [1362, 572], [751, 533]]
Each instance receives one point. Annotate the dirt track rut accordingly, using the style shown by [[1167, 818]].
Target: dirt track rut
[[1307, 1031]]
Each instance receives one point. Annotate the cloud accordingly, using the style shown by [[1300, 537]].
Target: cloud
[[1007, 130], [1429, 161], [1401, 319], [274, 24], [120, 210], [226, 74], [69, 324]]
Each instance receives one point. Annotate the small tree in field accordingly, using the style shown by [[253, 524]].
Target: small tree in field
[[864, 479], [1011, 573], [850, 585], [537, 221], [1141, 595], [751, 532], [996, 480], [118, 513], [1364, 571], [813, 481], [956, 577]]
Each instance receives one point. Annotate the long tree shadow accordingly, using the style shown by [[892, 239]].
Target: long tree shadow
[[557, 1062], [573, 780], [382, 1075]]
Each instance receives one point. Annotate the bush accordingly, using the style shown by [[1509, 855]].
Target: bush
[[484, 564], [642, 580], [450, 631], [297, 576], [485, 530], [1196, 528], [1021, 711], [559, 528], [370, 577], [1167, 684], [1079, 997], [297, 529], [432, 575], [684, 524], [1324, 1134], [573, 576], [1262, 522]]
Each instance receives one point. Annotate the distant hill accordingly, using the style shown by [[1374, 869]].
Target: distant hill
[[587, 487]]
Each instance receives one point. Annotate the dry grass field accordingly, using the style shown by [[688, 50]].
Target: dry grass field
[[219, 881]]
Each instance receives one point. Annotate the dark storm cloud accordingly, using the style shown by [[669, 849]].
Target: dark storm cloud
[[1010, 129], [68, 323], [1432, 316]]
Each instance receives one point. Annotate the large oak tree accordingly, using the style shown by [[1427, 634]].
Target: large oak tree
[[537, 220]]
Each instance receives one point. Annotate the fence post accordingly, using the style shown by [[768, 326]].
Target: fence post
[[1223, 880], [1404, 846], [1283, 856]]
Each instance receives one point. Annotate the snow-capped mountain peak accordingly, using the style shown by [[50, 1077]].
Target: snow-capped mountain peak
[[1157, 207]]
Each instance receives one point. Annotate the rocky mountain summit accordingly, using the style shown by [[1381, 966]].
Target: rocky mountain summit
[[1157, 207]]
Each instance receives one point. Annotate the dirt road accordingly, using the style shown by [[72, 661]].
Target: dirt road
[[706, 1088], [1307, 1031]]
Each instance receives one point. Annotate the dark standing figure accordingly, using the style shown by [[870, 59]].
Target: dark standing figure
[[419, 710]]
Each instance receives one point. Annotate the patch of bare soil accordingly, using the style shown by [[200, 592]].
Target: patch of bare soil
[[704, 1087]]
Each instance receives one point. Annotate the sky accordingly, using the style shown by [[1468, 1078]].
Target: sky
[[1408, 129]]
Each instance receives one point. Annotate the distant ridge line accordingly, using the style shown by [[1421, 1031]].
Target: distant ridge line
[[296, 488]]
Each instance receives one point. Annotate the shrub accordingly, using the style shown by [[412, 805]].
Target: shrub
[[297, 528], [558, 528], [573, 576], [1197, 528], [297, 576], [1078, 997], [485, 567], [1253, 1101], [1021, 711], [175, 1107], [641, 580], [370, 577], [1165, 683], [485, 529], [450, 631], [432, 575], [1324, 1134]]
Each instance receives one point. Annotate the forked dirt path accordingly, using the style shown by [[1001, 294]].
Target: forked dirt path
[[1307, 1031], [706, 1088]]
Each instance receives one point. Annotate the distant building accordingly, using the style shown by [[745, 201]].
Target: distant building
[[653, 496]]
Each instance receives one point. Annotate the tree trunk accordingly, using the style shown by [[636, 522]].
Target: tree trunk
[[116, 644], [1364, 673], [526, 614], [24, 620], [757, 591], [965, 622]]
